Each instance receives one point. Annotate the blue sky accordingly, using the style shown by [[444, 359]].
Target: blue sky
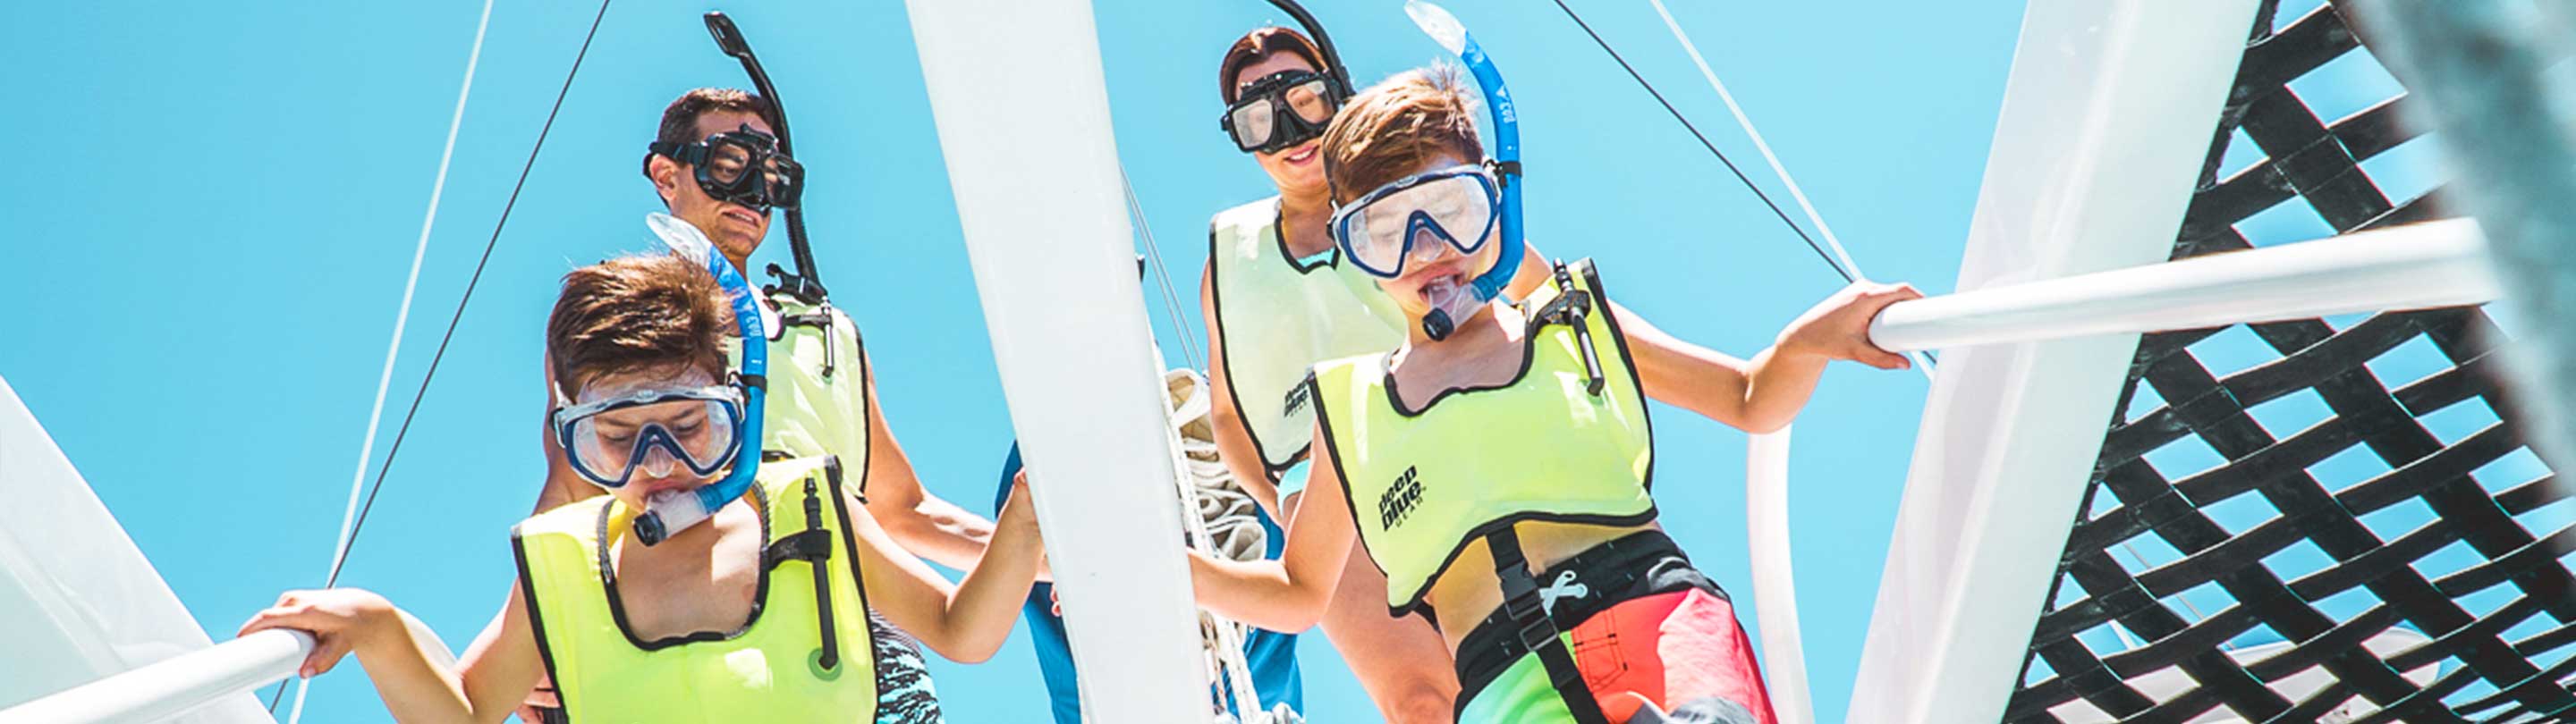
[[222, 261]]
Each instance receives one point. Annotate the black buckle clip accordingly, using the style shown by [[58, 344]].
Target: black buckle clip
[[1525, 607]]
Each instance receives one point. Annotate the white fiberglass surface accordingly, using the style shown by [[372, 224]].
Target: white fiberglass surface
[[2105, 117], [77, 600], [1048, 233]]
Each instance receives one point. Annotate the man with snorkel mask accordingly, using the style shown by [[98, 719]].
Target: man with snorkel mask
[[1278, 298]]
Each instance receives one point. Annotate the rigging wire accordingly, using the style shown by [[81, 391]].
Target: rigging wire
[[356, 519], [1191, 353], [1840, 259], [1758, 144], [1829, 259], [402, 318]]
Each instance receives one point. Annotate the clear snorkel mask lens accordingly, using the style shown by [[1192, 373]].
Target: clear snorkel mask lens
[[657, 432], [1281, 110], [1459, 205], [725, 164]]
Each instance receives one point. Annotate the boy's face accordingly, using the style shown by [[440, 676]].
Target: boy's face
[[735, 228], [1432, 259], [616, 431]]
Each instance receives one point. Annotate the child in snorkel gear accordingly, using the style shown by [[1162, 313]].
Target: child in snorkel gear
[[1497, 468], [823, 388], [755, 614], [1279, 298]]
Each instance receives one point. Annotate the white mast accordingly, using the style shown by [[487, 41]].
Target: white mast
[[1017, 91]]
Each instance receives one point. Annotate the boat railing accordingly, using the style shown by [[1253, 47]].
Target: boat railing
[[2418, 266], [173, 686]]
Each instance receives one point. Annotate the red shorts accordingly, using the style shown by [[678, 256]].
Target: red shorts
[[1683, 651]]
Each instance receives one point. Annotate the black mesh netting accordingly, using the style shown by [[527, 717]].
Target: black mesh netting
[[2315, 520]]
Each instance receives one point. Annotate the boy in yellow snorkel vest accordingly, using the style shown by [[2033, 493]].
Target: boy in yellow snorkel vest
[[757, 614], [1498, 469]]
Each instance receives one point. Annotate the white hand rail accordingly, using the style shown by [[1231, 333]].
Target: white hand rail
[[1775, 590], [2435, 264], [173, 686]]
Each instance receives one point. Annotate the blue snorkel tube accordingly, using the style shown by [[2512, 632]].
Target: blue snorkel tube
[[1445, 29], [675, 511]]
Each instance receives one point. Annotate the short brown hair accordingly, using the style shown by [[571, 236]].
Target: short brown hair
[[1390, 130], [1259, 44], [632, 313], [680, 119]]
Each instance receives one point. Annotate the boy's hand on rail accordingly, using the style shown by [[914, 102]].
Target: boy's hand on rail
[[1838, 327], [340, 619]]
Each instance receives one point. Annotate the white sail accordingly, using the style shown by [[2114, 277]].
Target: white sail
[[77, 600], [2105, 119]]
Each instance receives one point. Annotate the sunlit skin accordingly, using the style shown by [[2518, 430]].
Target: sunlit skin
[[735, 228], [1758, 395], [703, 578]]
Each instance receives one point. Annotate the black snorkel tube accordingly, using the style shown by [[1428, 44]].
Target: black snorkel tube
[[805, 284], [1333, 67]]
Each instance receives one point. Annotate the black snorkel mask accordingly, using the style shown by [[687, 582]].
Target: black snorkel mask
[[805, 284], [1287, 108], [743, 166]]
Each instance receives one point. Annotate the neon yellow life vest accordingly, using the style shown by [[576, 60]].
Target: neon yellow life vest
[[770, 670], [1277, 318], [1550, 446], [818, 389]]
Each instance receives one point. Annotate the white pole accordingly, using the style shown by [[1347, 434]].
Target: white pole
[[2437, 264], [1775, 589], [173, 686], [1055, 267]]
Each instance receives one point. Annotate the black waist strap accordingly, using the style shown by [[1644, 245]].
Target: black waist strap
[[1633, 566], [1523, 619]]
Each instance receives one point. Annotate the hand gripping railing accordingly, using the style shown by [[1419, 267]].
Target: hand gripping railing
[[173, 686], [2435, 264]]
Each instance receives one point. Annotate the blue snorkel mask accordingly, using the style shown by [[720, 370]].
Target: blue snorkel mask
[[1451, 193], [674, 511]]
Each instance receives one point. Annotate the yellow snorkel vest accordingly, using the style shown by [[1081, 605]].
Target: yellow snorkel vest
[[1277, 318], [770, 670], [1567, 441], [818, 391]]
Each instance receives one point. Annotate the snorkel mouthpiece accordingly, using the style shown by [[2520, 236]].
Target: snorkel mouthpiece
[[673, 511], [1452, 35], [1450, 302]]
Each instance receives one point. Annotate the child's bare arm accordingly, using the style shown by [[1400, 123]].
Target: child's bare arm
[[965, 622]]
